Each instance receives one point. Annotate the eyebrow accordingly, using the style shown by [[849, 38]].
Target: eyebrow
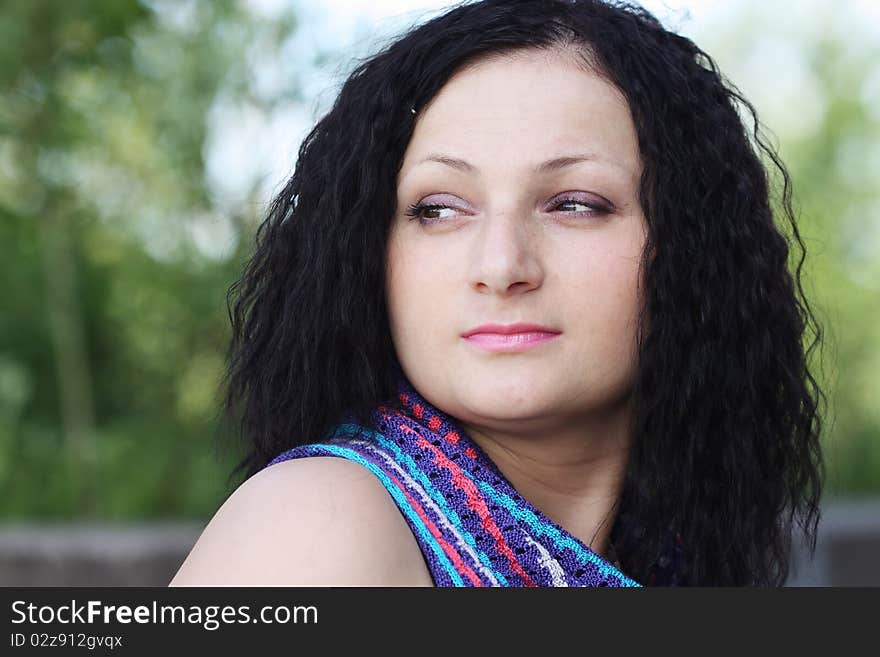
[[547, 166]]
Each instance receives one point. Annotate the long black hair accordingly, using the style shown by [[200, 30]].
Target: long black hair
[[726, 423]]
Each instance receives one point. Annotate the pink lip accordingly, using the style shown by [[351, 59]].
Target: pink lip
[[511, 342], [511, 337]]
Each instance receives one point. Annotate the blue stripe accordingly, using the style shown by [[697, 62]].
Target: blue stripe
[[402, 502], [435, 495]]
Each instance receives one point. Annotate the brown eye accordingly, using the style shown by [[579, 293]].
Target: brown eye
[[417, 211], [591, 208]]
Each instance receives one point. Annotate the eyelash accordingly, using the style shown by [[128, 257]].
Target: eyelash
[[415, 210]]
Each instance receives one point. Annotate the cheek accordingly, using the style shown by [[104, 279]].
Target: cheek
[[414, 290], [601, 291]]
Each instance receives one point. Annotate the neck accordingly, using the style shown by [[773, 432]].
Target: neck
[[572, 473]]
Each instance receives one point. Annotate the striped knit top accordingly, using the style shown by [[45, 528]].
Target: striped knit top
[[472, 526]]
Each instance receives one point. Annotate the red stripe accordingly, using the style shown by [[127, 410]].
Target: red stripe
[[475, 502], [450, 551]]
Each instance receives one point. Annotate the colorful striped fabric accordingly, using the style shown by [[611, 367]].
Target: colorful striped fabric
[[473, 528]]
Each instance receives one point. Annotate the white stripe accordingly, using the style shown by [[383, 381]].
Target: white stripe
[[557, 574]]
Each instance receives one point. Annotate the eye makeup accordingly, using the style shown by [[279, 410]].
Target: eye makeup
[[594, 207]]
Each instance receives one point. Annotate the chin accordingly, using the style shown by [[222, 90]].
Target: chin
[[505, 399]]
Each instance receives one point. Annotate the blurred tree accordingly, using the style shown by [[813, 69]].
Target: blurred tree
[[113, 327]]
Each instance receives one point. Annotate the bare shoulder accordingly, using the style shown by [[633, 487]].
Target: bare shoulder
[[315, 521]]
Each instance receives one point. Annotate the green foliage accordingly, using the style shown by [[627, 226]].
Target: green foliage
[[113, 325]]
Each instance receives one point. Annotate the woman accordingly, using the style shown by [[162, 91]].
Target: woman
[[521, 317]]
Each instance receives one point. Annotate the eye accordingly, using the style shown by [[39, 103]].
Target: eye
[[593, 208], [416, 210]]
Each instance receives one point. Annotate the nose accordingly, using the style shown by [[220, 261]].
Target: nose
[[506, 255]]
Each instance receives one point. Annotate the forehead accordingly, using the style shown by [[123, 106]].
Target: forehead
[[517, 110]]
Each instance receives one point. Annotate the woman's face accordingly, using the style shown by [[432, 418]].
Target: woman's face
[[528, 232]]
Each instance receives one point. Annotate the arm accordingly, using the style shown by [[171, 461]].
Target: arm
[[319, 521]]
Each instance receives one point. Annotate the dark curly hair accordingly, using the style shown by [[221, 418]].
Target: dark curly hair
[[726, 449]]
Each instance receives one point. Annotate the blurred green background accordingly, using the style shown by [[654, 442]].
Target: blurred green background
[[136, 163]]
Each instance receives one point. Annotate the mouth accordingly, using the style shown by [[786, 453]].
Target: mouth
[[513, 338]]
